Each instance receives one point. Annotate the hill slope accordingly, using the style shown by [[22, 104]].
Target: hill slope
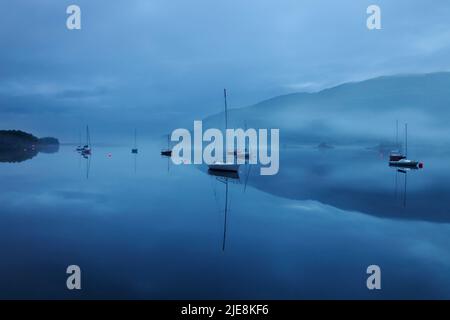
[[362, 112]]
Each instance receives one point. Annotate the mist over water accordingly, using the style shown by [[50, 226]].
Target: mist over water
[[141, 227]]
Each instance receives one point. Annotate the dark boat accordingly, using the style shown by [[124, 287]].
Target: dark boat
[[402, 160], [135, 149], [396, 156], [167, 152], [225, 174], [405, 163], [86, 150]]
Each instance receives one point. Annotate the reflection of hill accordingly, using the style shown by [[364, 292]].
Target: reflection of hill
[[359, 180], [18, 146]]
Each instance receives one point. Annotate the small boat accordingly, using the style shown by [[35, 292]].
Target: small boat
[[79, 148], [222, 166], [135, 149], [405, 163], [402, 160], [86, 150], [224, 174], [167, 152], [396, 155]]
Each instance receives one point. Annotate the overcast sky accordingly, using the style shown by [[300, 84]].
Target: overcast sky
[[159, 64]]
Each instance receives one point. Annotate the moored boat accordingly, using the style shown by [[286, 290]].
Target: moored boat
[[222, 166], [405, 163]]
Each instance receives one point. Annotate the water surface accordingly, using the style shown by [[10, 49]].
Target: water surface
[[140, 227]]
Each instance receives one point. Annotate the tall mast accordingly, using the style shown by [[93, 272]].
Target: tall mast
[[226, 112], [396, 134], [135, 143], [88, 138]]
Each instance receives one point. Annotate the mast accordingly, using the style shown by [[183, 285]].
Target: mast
[[396, 134], [88, 138], [406, 140], [135, 143], [404, 191], [226, 108], [168, 142], [226, 211]]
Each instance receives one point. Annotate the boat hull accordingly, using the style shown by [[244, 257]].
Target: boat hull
[[224, 167], [404, 164], [224, 174]]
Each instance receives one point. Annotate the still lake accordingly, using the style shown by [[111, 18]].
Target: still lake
[[141, 227]]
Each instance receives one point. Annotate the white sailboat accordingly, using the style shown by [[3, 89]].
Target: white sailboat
[[219, 165], [405, 162]]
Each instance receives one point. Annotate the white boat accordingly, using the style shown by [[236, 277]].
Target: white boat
[[404, 163]]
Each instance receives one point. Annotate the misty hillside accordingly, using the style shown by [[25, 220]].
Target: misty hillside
[[362, 112]]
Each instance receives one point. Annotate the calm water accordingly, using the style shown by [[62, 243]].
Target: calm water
[[140, 227]]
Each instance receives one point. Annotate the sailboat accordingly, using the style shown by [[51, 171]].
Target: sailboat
[[79, 148], [86, 150], [167, 152], [396, 155], [135, 149], [405, 162], [224, 166]]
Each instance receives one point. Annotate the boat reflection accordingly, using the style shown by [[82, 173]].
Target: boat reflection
[[403, 172], [225, 177]]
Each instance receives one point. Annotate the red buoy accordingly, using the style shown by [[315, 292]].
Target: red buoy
[[420, 165]]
